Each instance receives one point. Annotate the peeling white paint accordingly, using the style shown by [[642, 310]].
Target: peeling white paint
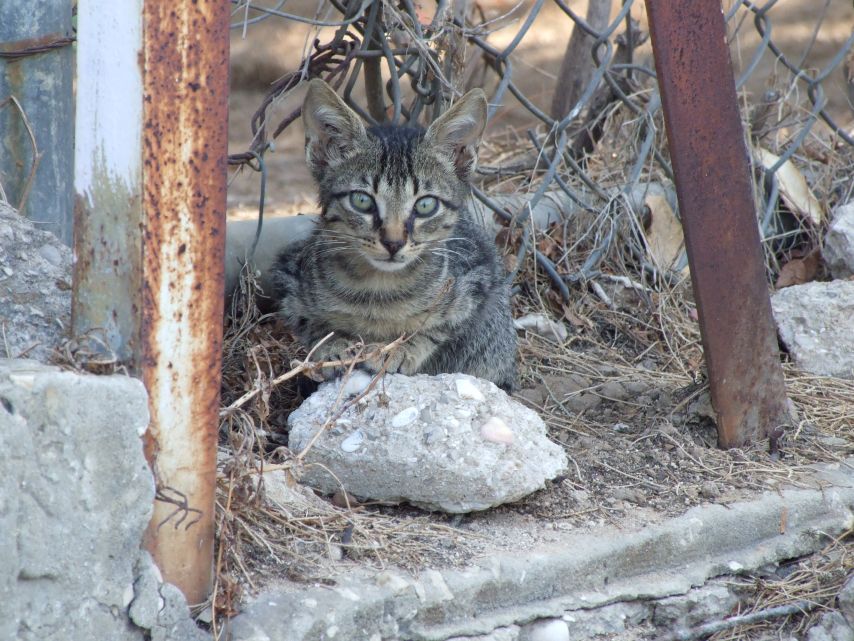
[[109, 94]]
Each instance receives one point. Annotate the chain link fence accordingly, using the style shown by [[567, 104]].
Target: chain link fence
[[584, 178]]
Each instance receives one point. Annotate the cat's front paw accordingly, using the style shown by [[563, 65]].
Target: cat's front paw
[[404, 359], [390, 362], [338, 350]]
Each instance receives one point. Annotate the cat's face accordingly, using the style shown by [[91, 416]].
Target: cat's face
[[392, 200], [390, 195]]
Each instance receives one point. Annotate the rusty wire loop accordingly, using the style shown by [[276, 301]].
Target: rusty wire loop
[[397, 62], [32, 47]]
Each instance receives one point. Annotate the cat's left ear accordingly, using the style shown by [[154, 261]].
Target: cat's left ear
[[458, 131]]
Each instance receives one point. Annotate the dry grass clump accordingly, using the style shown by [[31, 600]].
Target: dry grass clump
[[811, 583]]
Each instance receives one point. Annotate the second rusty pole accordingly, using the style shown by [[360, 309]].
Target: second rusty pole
[[713, 184]]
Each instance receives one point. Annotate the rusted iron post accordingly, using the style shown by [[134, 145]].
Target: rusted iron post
[[36, 106], [712, 173], [150, 236]]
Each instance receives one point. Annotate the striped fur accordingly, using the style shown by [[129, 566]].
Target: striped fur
[[376, 275]]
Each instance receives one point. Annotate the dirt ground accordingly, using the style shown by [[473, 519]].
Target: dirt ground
[[625, 392]]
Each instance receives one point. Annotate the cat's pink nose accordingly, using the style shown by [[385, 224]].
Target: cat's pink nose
[[393, 246]]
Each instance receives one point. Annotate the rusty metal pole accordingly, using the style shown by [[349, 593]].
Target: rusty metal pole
[[712, 173], [185, 142], [150, 237]]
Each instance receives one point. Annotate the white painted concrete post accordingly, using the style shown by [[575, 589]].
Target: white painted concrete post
[[108, 172]]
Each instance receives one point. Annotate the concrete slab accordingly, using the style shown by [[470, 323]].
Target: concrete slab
[[580, 574]]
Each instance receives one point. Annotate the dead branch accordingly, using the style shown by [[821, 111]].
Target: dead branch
[[578, 64]]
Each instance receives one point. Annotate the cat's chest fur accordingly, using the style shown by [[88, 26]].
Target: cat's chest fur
[[377, 317]]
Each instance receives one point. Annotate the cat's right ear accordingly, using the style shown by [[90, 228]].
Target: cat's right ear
[[458, 131], [332, 130]]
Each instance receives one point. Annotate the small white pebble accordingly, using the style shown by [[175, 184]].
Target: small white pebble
[[356, 383], [497, 431], [128, 595], [23, 380], [404, 418], [548, 630], [466, 389], [353, 442]]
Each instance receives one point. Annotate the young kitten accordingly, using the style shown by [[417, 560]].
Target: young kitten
[[396, 250]]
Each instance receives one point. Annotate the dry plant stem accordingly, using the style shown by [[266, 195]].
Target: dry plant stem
[[308, 366], [219, 554], [37, 155], [706, 629], [577, 67]]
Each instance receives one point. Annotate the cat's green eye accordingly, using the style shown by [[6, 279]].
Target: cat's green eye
[[362, 202], [426, 206]]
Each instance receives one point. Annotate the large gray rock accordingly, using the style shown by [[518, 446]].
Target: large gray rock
[[816, 323], [35, 288], [839, 242], [75, 498], [449, 442]]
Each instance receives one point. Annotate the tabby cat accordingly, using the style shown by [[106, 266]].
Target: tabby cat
[[396, 250]]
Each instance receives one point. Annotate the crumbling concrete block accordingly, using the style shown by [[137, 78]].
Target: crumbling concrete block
[[75, 498], [839, 242]]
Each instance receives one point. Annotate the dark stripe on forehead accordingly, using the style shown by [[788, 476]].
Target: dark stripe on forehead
[[397, 151], [410, 169]]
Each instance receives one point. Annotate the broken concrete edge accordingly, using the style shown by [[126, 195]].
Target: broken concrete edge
[[581, 573]]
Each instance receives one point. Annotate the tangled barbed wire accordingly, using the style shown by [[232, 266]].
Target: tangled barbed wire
[[590, 160]]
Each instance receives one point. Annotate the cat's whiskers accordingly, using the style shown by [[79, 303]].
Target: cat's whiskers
[[450, 238], [336, 232], [444, 251]]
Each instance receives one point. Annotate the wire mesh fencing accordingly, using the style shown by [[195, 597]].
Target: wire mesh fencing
[[581, 176]]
